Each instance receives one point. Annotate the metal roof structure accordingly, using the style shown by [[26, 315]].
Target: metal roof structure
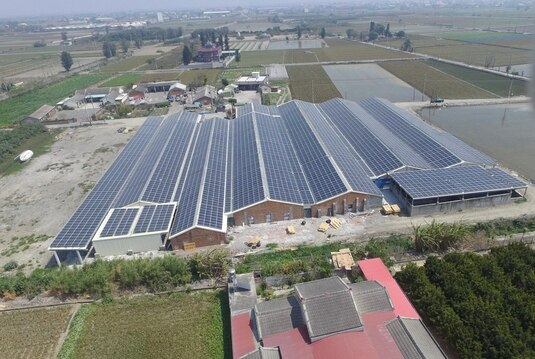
[[455, 181], [277, 316], [297, 153], [370, 296], [413, 339], [263, 353]]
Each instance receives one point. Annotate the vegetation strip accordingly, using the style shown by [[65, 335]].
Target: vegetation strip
[[311, 83]]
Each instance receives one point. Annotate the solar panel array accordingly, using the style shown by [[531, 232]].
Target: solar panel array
[[433, 152], [454, 181], [298, 153]]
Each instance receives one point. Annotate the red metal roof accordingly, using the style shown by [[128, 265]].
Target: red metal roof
[[242, 335], [374, 269]]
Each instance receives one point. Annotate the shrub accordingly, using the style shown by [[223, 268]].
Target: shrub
[[11, 265]]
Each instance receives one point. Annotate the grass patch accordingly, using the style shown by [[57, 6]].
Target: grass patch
[[160, 76], [433, 82], [32, 333], [178, 325], [497, 84], [20, 244], [129, 63], [311, 83], [75, 329], [123, 80], [210, 74], [39, 144], [13, 109]]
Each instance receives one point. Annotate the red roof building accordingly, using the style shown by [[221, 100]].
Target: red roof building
[[329, 318]]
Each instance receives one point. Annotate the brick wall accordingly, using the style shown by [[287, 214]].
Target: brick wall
[[352, 200], [277, 211], [201, 237]]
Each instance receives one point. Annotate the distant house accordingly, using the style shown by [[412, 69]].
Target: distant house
[[93, 95], [42, 114], [209, 53], [177, 89], [137, 93], [251, 83], [160, 86], [267, 88], [205, 95]]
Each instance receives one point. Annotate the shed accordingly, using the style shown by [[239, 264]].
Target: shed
[[177, 89], [42, 114]]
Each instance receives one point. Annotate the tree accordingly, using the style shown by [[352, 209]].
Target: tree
[[220, 40], [227, 47], [64, 36], [299, 32], [202, 36], [224, 82], [400, 34], [108, 49], [407, 45], [66, 60], [237, 57], [387, 31], [322, 33], [186, 55], [138, 42], [379, 29], [372, 36], [124, 46], [350, 33], [372, 26]]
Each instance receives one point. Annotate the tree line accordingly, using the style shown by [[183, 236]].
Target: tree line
[[483, 306]]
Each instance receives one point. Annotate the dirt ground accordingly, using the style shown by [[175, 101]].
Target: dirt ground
[[41, 198]]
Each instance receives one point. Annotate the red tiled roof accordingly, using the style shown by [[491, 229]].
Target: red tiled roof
[[242, 335], [374, 269]]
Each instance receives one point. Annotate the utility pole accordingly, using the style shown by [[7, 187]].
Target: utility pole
[[510, 87], [423, 92], [312, 91]]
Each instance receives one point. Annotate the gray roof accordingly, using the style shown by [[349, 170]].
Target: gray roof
[[413, 339], [263, 353], [41, 112], [370, 296], [205, 91], [328, 307], [277, 316], [242, 300]]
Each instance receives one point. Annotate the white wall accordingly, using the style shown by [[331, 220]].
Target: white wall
[[117, 246]]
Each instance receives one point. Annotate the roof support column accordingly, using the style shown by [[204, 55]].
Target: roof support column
[[79, 257], [58, 262]]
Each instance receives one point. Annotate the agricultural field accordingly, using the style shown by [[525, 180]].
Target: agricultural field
[[125, 79], [249, 45], [311, 83], [433, 82], [479, 54], [129, 63], [33, 333], [170, 60], [175, 326], [13, 109], [500, 85], [160, 76], [234, 74], [211, 75], [507, 39]]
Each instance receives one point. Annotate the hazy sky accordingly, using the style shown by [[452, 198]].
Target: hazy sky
[[9, 8]]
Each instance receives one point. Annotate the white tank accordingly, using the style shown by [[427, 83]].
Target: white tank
[[25, 156]]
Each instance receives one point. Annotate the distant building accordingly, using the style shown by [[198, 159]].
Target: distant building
[[209, 53], [160, 86], [177, 89], [205, 95], [93, 95], [159, 16], [251, 83], [42, 114], [137, 93]]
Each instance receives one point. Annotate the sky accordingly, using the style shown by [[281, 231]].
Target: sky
[[32, 8]]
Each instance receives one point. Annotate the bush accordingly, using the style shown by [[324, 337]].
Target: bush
[[11, 265]]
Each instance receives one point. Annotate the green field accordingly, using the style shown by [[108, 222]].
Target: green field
[[188, 77], [175, 326], [160, 76], [131, 78], [500, 85], [434, 83], [311, 83], [338, 50], [32, 333], [13, 109], [129, 63]]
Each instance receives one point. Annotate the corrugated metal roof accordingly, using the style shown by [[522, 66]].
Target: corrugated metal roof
[[41, 112], [370, 296], [263, 353], [278, 315], [413, 339]]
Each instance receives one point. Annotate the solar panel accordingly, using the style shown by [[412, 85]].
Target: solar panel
[[143, 222], [319, 172], [378, 157], [161, 218], [161, 186], [213, 189], [187, 205], [454, 181], [434, 153], [282, 183], [229, 180], [352, 167], [81, 227], [247, 179]]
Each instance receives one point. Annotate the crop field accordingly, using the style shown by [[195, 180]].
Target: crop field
[[493, 38], [311, 83], [338, 50], [471, 53], [249, 45], [500, 85], [129, 63], [188, 77], [234, 74], [32, 333], [160, 76], [123, 80], [434, 83], [176, 326], [13, 109]]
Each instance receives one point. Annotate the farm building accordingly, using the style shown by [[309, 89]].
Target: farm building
[[209, 53], [251, 83], [205, 95], [137, 93], [177, 89], [42, 114], [277, 163], [160, 86], [328, 318], [93, 95]]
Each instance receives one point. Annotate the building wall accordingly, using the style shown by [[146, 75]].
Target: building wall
[[350, 202], [201, 237], [118, 246], [456, 206], [276, 210]]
